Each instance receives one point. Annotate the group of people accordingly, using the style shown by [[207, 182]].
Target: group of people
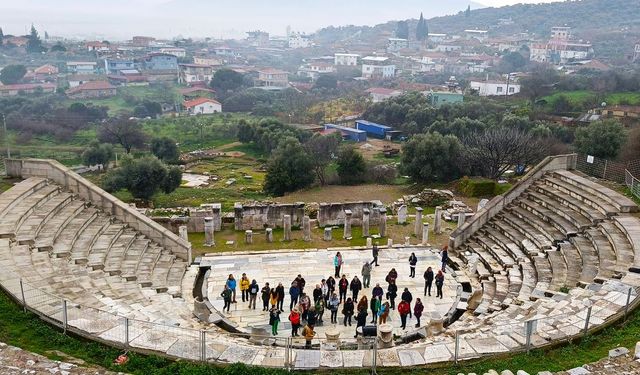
[[332, 294]]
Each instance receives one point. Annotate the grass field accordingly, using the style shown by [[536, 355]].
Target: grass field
[[582, 97]]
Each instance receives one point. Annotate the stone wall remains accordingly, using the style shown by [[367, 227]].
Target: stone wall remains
[[333, 213]]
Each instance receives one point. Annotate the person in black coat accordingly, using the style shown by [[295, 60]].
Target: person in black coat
[[413, 260], [317, 293], [375, 252], [266, 294], [392, 293], [347, 311], [343, 286], [280, 294], [361, 320], [355, 287], [428, 281], [301, 283], [331, 284]]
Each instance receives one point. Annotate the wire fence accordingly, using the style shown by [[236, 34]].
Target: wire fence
[[333, 351], [619, 172]]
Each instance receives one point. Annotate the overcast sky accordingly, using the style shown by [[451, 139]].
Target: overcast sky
[[120, 19]]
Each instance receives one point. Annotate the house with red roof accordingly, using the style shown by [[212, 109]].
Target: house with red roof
[[92, 90], [379, 94], [26, 88], [202, 106]]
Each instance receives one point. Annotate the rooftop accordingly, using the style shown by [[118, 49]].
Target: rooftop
[[27, 86], [91, 85], [198, 101]]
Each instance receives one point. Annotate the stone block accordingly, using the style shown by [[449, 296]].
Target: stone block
[[522, 372], [637, 353], [578, 371], [417, 226], [269, 234], [327, 234], [617, 352], [506, 372], [369, 242], [365, 222], [287, 227], [306, 228], [545, 373], [402, 214], [248, 236]]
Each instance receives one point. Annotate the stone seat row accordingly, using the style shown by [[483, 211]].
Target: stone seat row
[[59, 243]]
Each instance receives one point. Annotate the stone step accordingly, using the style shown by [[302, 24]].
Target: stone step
[[511, 247], [132, 258], [559, 270], [479, 247], [528, 217], [564, 226], [606, 253], [539, 239], [590, 255], [101, 245], [620, 242], [594, 212], [630, 226], [11, 219], [619, 201], [28, 230], [14, 196], [574, 216], [59, 240], [82, 243], [581, 271]]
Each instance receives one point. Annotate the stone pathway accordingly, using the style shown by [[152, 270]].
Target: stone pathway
[[14, 361], [318, 264]]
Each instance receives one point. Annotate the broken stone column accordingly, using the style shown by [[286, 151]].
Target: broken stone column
[[425, 233], [248, 236], [437, 221], [461, 217], [182, 231], [369, 242], [327, 234], [417, 227], [402, 214], [347, 224], [382, 226], [216, 208], [237, 214], [389, 243], [481, 204], [407, 241], [287, 227], [385, 336], [306, 228], [208, 231], [269, 233], [365, 222]]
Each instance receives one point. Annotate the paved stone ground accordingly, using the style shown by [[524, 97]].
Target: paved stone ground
[[316, 265], [14, 361]]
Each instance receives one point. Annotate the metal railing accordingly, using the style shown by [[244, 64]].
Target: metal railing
[[632, 183], [292, 353]]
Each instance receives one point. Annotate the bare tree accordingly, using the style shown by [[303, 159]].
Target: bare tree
[[322, 148], [123, 131], [493, 152]]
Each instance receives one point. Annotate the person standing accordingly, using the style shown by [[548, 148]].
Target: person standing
[[375, 252], [444, 253], [254, 288], [334, 302], [363, 304], [366, 274], [294, 293], [226, 297], [265, 293], [244, 287], [280, 293], [305, 303], [407, 296], [428, 281], [413, 260], [377, 292], [391, 276], [375, 307], [361, 319], [273, 298], [337, 263], [325, 290], [320, 309], [331, 285], [274, 320], [300, 281], [392, 293], [355, 286], [317, 293], [418, 308], [294, 318], [347, 311], [343, 286], [312, 316], [383, 313], [439, 284], [308, 334], [404, 309], [231, 284]]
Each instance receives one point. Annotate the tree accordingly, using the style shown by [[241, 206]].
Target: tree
[[422, 31], [431, 157], [631, 149], [34, 44], [227, 80], [494, 151], [58, 47], [539, 83], [602, 139], [351, 166], [122, 131], [12, 74], [1, 37], [322, 149], [467, 13], [165, 149], [143, 178], [402, 30], [98, 153], [327, 81], [289, 169], [147, 109]]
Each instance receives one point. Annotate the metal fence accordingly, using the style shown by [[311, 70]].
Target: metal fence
[[632, 183], [619, 172], [292, 353]]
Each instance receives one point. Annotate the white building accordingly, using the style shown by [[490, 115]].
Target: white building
[[561, 48], [177, 52], [397, 44], [494, 88], [481, 35], [379, 94], [437, 38], [636, 53], [315, 69], [377, 67], [347, 59], [297, 40], [202, 106]]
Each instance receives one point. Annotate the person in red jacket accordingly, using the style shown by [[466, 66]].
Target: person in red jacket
[[404, 308], [294, 318]]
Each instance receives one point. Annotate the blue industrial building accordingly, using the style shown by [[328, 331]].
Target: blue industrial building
[[349, 133], [378, 130], [159, 62]]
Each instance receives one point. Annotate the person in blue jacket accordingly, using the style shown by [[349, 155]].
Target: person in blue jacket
[[294, 293], [231, 284]]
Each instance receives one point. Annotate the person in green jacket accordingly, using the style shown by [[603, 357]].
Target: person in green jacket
[[375, 307], [274, 319]]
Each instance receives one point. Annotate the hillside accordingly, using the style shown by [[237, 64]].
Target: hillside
[[590, 20]]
